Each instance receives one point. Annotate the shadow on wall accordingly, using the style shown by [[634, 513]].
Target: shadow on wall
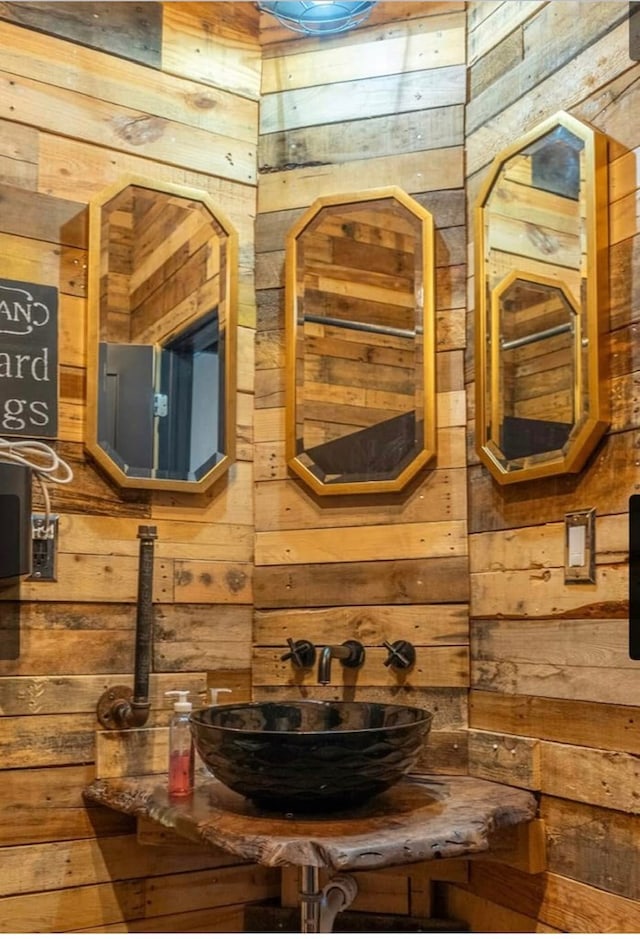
[[10, 625]]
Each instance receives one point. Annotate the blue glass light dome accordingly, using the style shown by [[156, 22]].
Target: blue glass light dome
[[318, 16]]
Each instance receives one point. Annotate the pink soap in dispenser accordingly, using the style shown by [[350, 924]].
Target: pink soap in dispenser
[[181, 753]]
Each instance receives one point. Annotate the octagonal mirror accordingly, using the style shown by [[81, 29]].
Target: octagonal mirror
[[360, 403], [161, 337], [541, 281]]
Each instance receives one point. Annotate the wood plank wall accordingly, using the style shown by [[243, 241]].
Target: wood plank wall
[[380, 106], [554, 702], [90, 91]]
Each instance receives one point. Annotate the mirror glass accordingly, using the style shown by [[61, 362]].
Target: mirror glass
[[541, 230], [360, 342], [161, 349]]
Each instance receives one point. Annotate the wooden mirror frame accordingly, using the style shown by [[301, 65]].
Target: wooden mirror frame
[[424, 301], [227, 329], [590, 304]]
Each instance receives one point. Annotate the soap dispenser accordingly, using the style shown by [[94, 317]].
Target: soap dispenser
[[181, 751]]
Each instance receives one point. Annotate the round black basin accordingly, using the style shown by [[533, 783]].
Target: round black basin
[[309, 755]]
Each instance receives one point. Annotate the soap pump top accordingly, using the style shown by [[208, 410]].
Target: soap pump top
[[213, 694], [182, 705]]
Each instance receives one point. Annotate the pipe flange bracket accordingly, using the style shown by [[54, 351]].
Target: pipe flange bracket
[[111, 704]]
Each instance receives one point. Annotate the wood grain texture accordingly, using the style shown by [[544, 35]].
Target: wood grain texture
[[593, 845], [549, 662], [511, 760], [46, 806], [421, 818], [85, 907], [121, 29], [119, 127], [579, 722], [168, 96], [483, 915], [329, 569], [62, 643], [558, 901], [431, 580]]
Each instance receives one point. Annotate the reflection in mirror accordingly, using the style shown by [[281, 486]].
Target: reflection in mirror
[[161, 376], [540, 232], [535, 408], [360, 344]]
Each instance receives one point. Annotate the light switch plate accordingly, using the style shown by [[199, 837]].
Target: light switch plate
[[580, 547]]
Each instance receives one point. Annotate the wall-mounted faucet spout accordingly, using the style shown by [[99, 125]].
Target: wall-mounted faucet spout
[[120, 707], [350, 653]]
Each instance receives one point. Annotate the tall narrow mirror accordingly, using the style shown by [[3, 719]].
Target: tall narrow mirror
[[360, 342], [161, 337], [541, 281]]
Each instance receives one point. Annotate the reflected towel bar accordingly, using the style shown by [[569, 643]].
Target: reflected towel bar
[[361, 327], [535, 337]]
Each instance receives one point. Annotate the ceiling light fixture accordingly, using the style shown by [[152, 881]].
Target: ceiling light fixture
[[318, 17]]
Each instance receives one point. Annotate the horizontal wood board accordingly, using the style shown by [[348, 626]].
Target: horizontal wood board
[[554, 699]]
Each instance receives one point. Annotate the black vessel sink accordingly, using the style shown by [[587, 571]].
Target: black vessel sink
[[309, 755]]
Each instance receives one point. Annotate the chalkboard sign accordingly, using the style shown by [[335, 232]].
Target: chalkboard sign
[[28, 360]]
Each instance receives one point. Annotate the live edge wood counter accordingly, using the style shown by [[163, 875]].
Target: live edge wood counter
[[421, 818]]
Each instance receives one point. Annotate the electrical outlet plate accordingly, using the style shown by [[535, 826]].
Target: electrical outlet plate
[[580, 547], [44, 543]]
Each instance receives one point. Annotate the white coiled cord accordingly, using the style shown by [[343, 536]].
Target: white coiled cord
[[43, 460]]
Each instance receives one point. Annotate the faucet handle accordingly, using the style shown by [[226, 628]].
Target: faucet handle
[[402, 654], [301, 652]]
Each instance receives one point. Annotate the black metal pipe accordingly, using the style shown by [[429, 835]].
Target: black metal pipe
[[119, 707], [144, 617], [350, 653]]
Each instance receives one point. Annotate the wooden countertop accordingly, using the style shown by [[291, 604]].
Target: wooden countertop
[[421, 818]]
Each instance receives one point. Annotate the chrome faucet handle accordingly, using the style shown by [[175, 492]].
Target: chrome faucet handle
[[402, 654], [301, 652]]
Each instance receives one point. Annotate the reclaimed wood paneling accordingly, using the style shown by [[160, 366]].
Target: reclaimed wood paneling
[[433, 539], [46, 805], [38, 57], [378, 567], [554, 900], [423, 625], [215, 46], [87, 94], [441, 40], [485, 916], [120, 29], [119, 127], [345, 141], [593, 845], [434, 580], [414, 172], [611, 51], [514, 761], [78, 908], [227, 919], [606, 726], [78, 863], [554, 697]]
